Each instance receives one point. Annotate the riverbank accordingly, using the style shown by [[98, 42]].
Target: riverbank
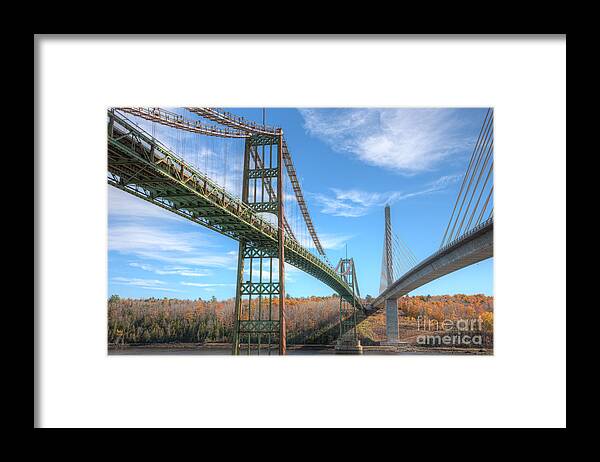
[[292, 350]]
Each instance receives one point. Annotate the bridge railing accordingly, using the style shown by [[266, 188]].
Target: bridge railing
[[234, 121], [242, 121], [473, 230], [174, 120]]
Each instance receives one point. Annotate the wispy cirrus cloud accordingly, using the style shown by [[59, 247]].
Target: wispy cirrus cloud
[[170, 270], [132, 238], [354, 203], [402, 140], [138, 230], [168, 246], [124, 206], [206, 286], [331, 241], [199, 284], [151, 284]]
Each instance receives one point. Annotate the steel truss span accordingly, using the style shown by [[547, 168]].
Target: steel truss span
[[235, 127], [242, 125], [143, 167]]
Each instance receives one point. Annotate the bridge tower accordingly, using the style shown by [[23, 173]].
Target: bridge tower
[[387, 266], [387, 278], [259, 324], [348, 342]]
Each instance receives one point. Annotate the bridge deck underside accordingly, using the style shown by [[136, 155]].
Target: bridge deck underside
[[472, 249], [144, 168]]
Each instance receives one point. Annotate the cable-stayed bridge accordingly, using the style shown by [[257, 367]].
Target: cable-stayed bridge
[[468, 238]]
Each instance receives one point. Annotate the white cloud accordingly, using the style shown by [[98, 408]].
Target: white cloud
[[403, 140], [444, 181], [148, 232], [333, 241], [197, 258], [138, 281], [199, 284], [122, 205], [170, 246], [354, 203], [133, 238], [171, 270], [152, 284], [339, 207]]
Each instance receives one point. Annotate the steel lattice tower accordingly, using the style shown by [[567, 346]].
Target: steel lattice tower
[[257, 324], [348, 338]]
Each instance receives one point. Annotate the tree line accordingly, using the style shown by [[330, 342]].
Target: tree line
[[309, 320], [197, 321]]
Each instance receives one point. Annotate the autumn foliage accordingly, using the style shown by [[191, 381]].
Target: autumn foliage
[[197, 321], [309, 320], [441, 307]]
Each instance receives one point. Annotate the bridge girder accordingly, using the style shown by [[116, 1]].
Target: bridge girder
[[473, 247]]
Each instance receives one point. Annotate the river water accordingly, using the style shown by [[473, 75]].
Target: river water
[[224, 349]]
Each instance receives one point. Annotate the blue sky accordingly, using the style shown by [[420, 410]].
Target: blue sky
[[350, 162]]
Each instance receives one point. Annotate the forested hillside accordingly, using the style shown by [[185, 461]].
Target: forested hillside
[[310, 320]]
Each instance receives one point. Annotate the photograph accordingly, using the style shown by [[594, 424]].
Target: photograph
[[300, 231]]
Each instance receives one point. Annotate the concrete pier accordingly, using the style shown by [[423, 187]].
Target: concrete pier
[[391, 322], [348, 346]]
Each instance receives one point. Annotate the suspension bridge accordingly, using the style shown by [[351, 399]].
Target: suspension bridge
[[251, 193]]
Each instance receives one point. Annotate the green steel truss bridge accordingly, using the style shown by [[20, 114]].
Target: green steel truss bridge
[[141, 165]]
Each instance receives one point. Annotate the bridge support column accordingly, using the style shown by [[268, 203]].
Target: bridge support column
[[281, 245], [391, 322], [348, 342], [259, 324]]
